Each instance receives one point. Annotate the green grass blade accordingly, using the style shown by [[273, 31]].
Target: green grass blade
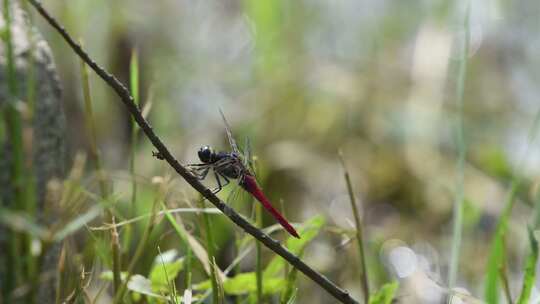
[[496, 253], [530, 270], [14, 128], [194, 246], [91, 129], [141, 247], [504, 277], [101, 175], [134, 75], [134, 86], [289, 293], [163, 275], [292, 299], [188, 266], [496, 256], [219, 290], [211, 254]]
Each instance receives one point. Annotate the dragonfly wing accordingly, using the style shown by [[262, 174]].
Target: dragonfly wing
[[232, 142], [247, 151], [248, 158], [238, 198]]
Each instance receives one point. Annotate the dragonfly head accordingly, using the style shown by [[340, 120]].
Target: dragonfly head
[[205, 154]]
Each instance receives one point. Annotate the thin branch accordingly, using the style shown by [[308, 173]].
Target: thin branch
[[164, 153]]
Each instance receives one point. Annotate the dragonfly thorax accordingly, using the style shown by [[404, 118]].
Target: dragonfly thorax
[[228, 164]]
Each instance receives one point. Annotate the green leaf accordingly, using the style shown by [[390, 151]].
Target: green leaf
[[308, 231], [189, 241], [385, 295], [162, 273], [204, 285], [530, 270], [246, 282]]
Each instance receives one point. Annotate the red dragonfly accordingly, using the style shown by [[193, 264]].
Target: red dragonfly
[[234, 165]]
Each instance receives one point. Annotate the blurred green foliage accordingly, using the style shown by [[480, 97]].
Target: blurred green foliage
[[301, 80]]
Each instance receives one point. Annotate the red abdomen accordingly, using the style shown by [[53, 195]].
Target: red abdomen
[[250, 185]]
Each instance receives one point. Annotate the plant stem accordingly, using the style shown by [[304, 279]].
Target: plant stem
[[502, 272], [60, 271], [359, 235], [117, 258], [460, 138]]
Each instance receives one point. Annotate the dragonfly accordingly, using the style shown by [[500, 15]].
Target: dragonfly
[[234, 165]]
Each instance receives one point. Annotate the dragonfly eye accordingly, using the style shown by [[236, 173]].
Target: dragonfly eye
[[205, 154]]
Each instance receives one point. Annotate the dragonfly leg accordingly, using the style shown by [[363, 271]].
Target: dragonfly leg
[[227, 181], [219, 187], [204, 173]]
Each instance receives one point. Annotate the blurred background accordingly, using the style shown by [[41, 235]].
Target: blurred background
[[378, 80]]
